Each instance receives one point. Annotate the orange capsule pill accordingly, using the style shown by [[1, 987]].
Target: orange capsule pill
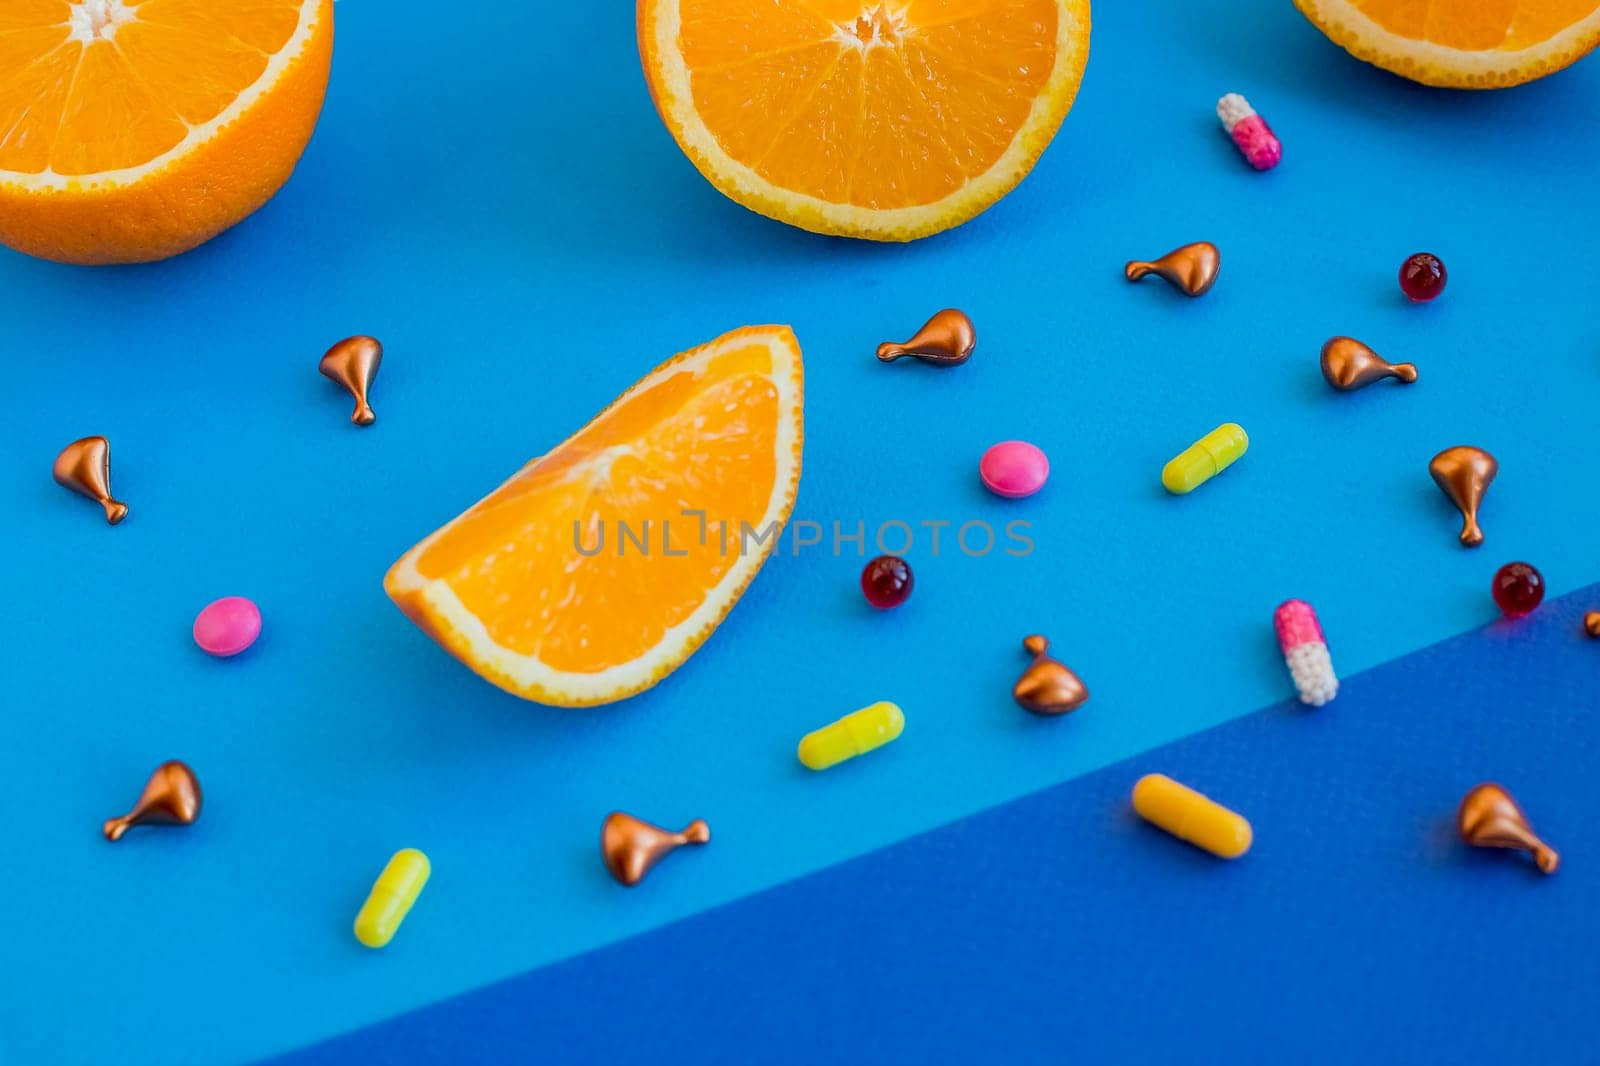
[[1188, 815]]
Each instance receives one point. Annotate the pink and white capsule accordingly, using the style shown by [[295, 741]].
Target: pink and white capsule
[[1255, 140], [1305, 652]]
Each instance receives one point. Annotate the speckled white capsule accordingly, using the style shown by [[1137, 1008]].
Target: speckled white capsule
[[1250, 132], [1305, 652]]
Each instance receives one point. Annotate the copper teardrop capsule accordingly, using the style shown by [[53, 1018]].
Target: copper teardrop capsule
[[1489, 818], [1465, 473], [84, 466], [353, 363], [1192, 269], [1347, 364], [170, 797], [1047, 687], [630, 846], [946, 339]]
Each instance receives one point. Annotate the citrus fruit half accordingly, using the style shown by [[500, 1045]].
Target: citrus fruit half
[[863, 118], [601, 566], [132, 130], [1461, 44]]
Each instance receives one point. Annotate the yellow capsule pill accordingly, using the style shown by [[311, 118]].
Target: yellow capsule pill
[[392, 896], [1188, 815], [1205, 458], [855, 734]]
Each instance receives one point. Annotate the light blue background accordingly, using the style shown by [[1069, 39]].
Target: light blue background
[[490, 192]]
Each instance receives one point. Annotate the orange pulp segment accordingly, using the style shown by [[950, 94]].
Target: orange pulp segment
[[1466, 44], [886, 120], [134, 129], [601, 566]]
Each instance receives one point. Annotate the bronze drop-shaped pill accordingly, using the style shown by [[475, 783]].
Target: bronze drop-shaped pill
[[630, 846], [946, 339], [1489, 818], [84, 466], [1047, 687], [1192, 269], [1464, 473], [353, 363], [1347, 364], [170, 797]]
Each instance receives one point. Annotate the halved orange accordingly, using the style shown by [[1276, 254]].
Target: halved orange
[[601, 566], [1461, 44], [132, 130], [885, 119]]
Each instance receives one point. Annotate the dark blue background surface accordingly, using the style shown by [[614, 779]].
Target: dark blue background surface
[[1060, 928], [491, 193]]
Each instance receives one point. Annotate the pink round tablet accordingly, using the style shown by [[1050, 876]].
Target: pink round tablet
[[227, 626], [1014, 468]]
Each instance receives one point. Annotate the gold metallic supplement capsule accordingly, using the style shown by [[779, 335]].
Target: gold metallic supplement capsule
[[1205, 458], [1464, 474], [1188, 815], [1047, 687], [946, 339], [353, 363], [84, 466], [855, 734], [1347, 364], [630, 847], [171, 797], [1489, 818], [392, 895], [1192, 269]]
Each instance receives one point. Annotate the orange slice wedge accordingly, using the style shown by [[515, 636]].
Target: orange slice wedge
[[885, 119], [1461, 44], [133, 130], [601, 566]]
